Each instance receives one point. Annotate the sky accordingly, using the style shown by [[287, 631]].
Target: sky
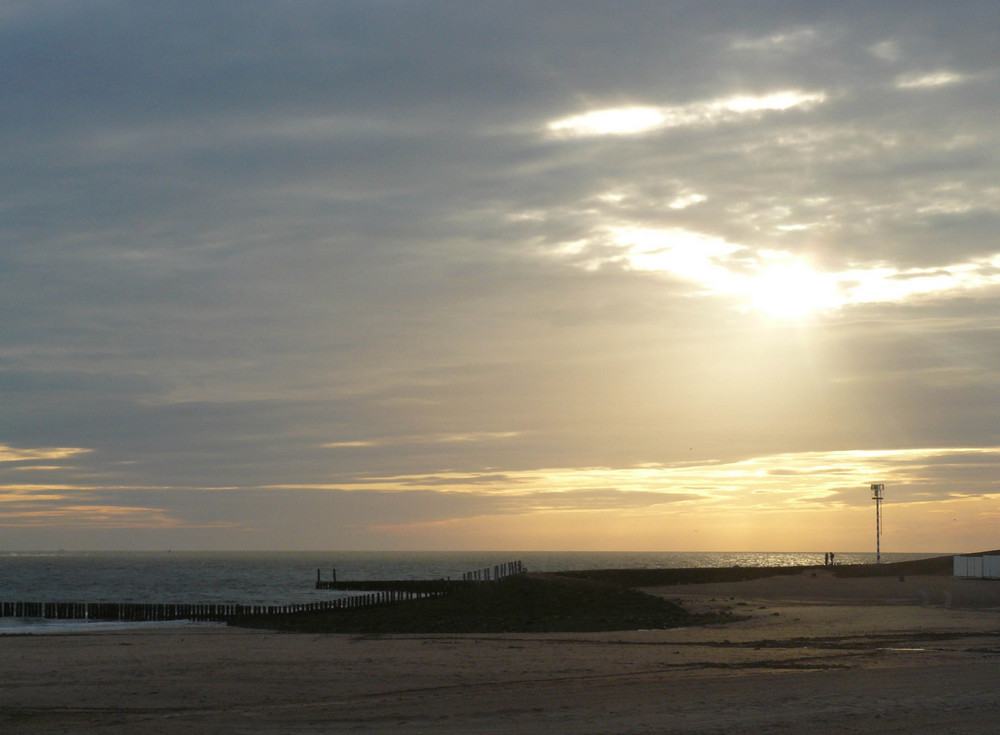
[[499, 275]]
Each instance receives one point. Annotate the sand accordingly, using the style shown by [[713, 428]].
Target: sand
[[809, 654]]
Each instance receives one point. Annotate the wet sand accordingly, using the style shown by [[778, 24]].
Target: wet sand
[[809, 654]]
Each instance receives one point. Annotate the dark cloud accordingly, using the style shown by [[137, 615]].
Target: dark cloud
[[245, 246]]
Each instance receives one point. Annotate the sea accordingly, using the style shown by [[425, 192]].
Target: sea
[[289, 577]]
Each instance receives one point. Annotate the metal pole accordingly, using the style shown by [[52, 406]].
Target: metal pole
[[878, 492], [878, 531]]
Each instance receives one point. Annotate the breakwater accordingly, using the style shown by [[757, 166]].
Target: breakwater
[[380, 592], [426, 586], [155, 612], [416, 586]]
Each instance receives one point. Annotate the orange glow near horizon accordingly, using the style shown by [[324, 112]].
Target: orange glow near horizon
[[794, 501]]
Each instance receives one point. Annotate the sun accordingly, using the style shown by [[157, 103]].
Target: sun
[[791, 291], [779, 284]]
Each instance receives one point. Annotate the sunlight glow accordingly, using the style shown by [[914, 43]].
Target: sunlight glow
[[440, 438], [620, 121], [681, 252], [777, 283], [687, 199], [641, 119], [790, 481], [773, 283], [789, 41], [788, 290], [778, 101], [11, 454], [936, 79], [36, 509]]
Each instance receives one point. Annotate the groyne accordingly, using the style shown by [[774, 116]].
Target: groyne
[[150, 612], [426, 586], [379, 592]]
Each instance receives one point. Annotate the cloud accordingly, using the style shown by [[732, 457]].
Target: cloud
[[933, 79], [406, 264], [431, 439], [12, 454], [634, 120], [793, 40], [775, 282], [390, 510]]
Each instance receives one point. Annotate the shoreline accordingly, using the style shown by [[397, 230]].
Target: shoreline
[[577, 600], [867, 656], [612, 599]]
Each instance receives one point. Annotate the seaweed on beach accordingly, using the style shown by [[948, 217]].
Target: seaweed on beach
[[529, 603]]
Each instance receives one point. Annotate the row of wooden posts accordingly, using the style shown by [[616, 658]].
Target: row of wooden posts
[[142, 612], [500, 571], [438, 586], [381, 592]]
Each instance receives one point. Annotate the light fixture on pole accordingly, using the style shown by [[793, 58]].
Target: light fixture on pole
[[878, 494]]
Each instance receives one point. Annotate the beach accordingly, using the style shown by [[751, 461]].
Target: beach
[[805, 652]]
